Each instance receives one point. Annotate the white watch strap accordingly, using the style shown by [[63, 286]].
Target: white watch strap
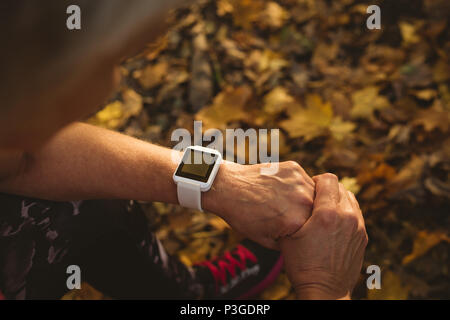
[[189, 195]]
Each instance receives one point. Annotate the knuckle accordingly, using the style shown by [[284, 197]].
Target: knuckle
[[290, 223], [304, 196], [365, 239], [292, 165], [326, 215], [351, 221], [328, 176]]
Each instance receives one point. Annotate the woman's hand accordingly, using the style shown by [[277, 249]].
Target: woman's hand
[[323, 259], [263, 207]]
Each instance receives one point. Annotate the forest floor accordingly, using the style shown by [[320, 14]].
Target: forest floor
[[371, 106]]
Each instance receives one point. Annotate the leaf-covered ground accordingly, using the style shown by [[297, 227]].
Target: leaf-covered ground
[[372, 106]]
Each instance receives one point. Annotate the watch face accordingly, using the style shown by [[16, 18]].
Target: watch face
[[197, 165]]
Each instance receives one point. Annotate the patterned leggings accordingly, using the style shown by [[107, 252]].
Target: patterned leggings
[[109, 241]]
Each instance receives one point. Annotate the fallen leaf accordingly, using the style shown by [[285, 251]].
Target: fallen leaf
[[409, 32], [201, 84], [351, 184], [426, 94], [152, 75], [366, 101], [340, 129], [310, 122], [117, 113], [424, 241], [277, 101], [227, 106], [278, 290], [274, 16], [87, 292], [432, 119], [392, 288]]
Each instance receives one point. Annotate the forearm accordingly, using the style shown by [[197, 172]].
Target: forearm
[[86, 162]]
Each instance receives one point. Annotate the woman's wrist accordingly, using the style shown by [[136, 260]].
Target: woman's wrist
[[217, 199]]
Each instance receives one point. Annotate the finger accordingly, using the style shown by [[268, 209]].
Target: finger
[[355, 205], [353, 200], [345, 202], [327, 191]]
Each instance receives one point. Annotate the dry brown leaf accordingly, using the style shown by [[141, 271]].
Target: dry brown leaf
[[152, 75], [432, 119], [426, 94], [409, 175], [117, 113], [310, 122], [245, 12], [340, 130], [441, 71], [392, 288], [424, 241], [277, 101], [227, 106], [366, 101], [278, 290], [201, 84], [351, 184], [274, 16], [409, 32], [87, 292]]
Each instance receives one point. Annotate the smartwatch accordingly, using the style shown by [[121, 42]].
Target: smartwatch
[[195, 174]]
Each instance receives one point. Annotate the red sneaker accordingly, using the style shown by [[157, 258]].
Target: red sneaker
[[241, 273]]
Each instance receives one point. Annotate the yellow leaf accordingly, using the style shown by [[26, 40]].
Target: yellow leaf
[[409, 33], [277, 100], [278, 290], [116, 114], [366, 101], [245, 12], [351, 184], [392, 288], [272, 61], [109, 117], [227, 106], [132, 103], [341, 129], [87, 292], [273, 16], [424, 241], [432, 119], [426, 94], [310, 122], [152, 75], [441, 71], [218, 223]]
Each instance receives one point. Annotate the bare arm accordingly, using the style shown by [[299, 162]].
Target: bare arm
[[85, 162]]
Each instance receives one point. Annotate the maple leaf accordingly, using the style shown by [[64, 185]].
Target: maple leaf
[[351, 184], [409, 32], [277, 101], [366, 101], [341, 129], [310, 122], [273, 16], [152, 75], [116, 114], [423, 243], [432, 119], [227, 106]]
